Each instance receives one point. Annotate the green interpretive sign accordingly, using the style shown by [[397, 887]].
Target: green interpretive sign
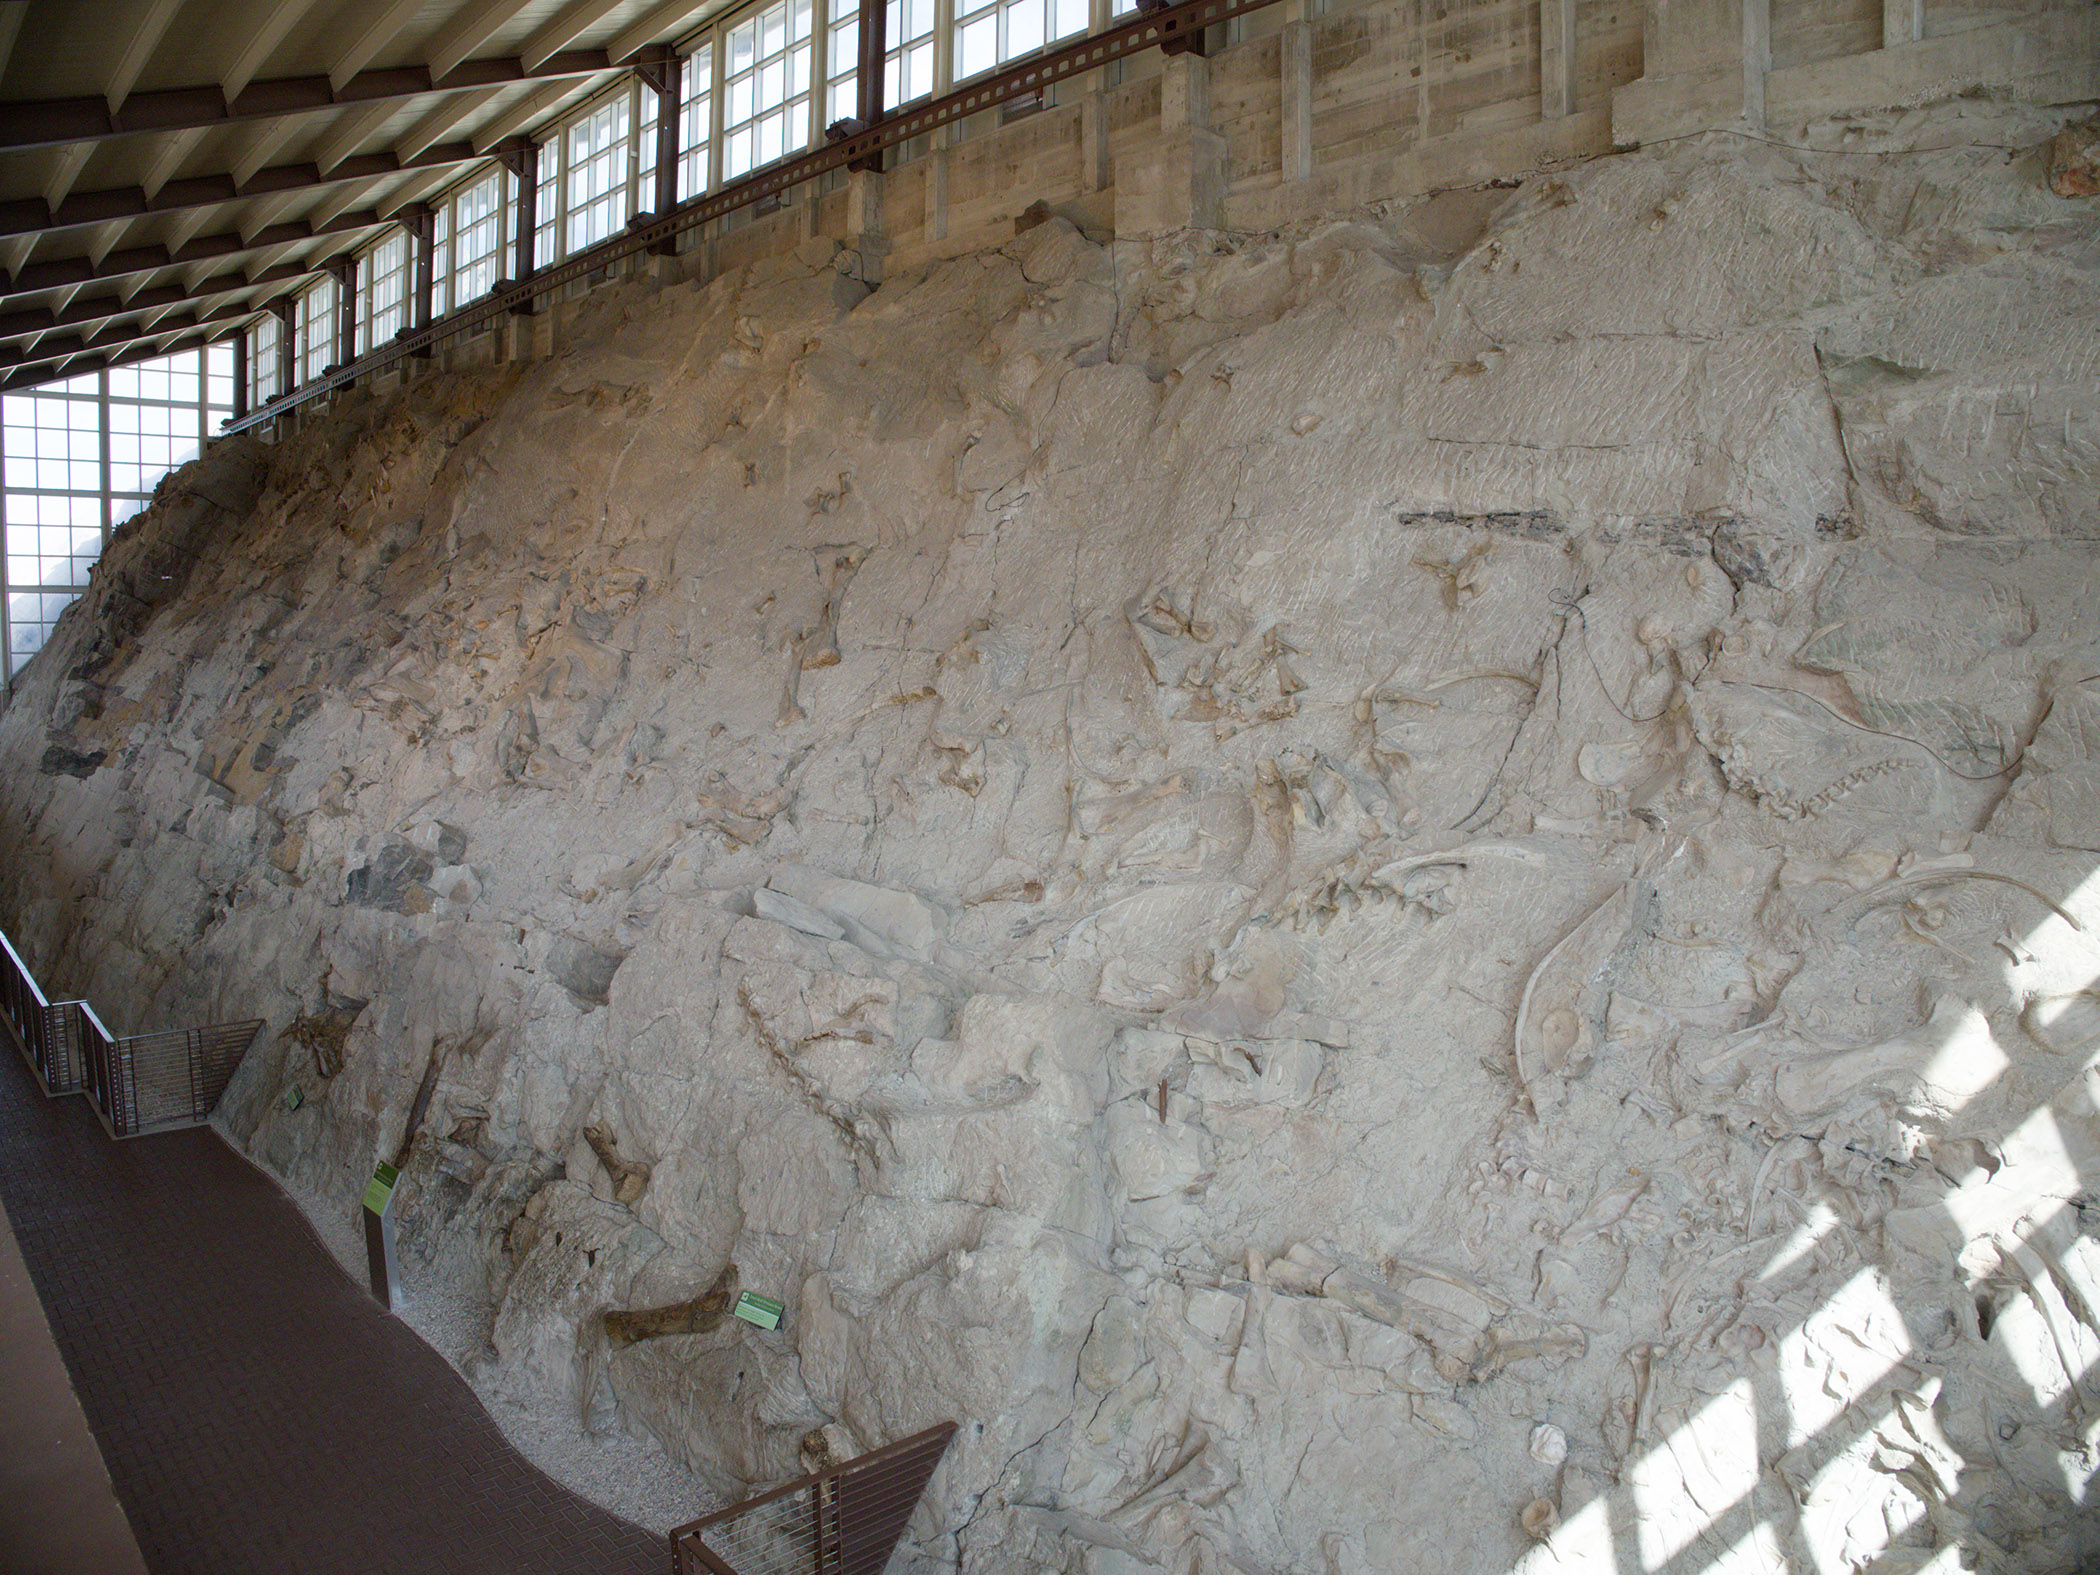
[[379, 1191], [761, 1310]]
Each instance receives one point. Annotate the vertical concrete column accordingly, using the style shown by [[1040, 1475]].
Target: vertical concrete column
[[937, 186], [1178, 182], [1296, 62], [1556, 59], [1757, 59], [1097, 153], [1704, 65], [1902, 22], [1184, 94], [864, 227]]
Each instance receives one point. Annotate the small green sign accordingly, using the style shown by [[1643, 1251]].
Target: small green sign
[[379, 1191], [761, 1310]]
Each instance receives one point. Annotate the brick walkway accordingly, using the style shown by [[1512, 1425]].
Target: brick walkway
[[257, 1410]]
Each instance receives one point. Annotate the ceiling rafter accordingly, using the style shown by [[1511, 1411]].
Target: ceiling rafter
[[144, 40], [43, 123], [664, 22], [562, 29], [176, 147], [10, 27], [527, 110], [350, 133], [385, 26], [85, 312], [446, 116], [64, 347], [471, 31], [53, 272], [29, 377], [205, 191], [264, 34]]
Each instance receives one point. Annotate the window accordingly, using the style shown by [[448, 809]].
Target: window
[[477, 238], [598, 193], [80, 456], [988, 33], [546, 205], [262, 360], [441, 259], [696, 110], [642, 150], [317, 330], [766, 87], [382, 292], [907, 71]]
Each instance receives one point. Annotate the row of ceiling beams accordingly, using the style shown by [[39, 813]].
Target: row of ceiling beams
[[360, 97]]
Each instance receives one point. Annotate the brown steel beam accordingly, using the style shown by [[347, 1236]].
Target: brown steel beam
[[522, 156], [30, 215], [64, 348], [55, 272], [874, 50], [1156, 29], [240, 372], [85, 313], [344, 267], [287, 310], [44, 123], [30, 377]]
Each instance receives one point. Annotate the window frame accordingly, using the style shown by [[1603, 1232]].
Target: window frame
[[377, 278], [110, 421]]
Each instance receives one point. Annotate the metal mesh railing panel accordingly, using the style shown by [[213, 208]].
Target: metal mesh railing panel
[[137, 1083], [27, 1013], [63, 1072], [105, 1071], [145, 1082], [846, 1521]]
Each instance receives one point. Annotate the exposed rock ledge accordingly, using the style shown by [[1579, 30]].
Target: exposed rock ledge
[[1356, 891]]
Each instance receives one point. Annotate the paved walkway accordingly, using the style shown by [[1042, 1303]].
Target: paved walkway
[[58, 1510], [258, 1412]]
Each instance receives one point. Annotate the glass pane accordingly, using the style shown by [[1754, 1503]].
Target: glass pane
[[979, 49], [1024, 29]]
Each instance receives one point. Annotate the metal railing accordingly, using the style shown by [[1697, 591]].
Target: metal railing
[[43, 1029], [1173, 27], [138, 1083], [845, 1521]]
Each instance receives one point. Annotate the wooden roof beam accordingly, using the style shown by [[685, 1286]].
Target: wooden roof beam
[[54, 272], [121, 337], [29, 377], [43, 123], [86, 312], [30, 216]]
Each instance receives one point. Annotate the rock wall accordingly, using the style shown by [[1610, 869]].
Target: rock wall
[[1366, 893]]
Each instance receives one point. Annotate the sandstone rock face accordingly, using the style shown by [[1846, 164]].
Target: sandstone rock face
[[2074, 161], [1378, 904]]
